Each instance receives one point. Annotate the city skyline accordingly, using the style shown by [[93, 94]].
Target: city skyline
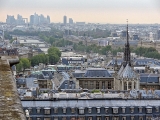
[[97, 11]]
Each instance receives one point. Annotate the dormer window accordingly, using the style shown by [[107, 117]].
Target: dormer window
[[89, 110], [123, 109], [115, 110], [47, 111], [140, 109], [81, 110], [55, 110], [38, 110], [98, 109], [149, 109], [157, 109], [73, 110], [64, 110], [132, 109], [106, 109]]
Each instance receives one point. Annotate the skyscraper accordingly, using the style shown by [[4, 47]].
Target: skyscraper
[[48, 18], [10, 20], [70, 21], [32, 19], [65, 20]]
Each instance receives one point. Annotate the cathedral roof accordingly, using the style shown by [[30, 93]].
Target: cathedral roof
[[126, 72]]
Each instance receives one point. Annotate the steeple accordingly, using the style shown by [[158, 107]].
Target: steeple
[[127, 56]]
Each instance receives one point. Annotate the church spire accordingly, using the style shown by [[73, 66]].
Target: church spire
[[127, 56]]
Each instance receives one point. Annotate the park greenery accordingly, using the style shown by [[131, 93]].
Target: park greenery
[[55, 38], [52, 57]]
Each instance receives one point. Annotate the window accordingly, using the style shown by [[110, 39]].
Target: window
[[64, 110], [132, 109], [72, 110], [38, 110], [98, 118], [123, 118], [55, 118], [115, 118], [86, 84], [109, 85], [106, 110], [98, 110], [107, 118], [73, 118], [140, 110], [125, 85], [97, 85], [123, 110], [103, 85], [149, 110], [89, 110], [46, 111], [55, 110], [30, 110], [91, 85], [157, 109], [140, 118], [29, 118], [81, 111], [115, 110], [148, 118], [81, 118], [47, 118], [130, 85], [89, 118], [132, 118], [64, 118]]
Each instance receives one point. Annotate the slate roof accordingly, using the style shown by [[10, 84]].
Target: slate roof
[[126, 72], [138, 62], [97, 72], [149, 78], [30, 83], [21, 81], [76, 75], [90, 103]]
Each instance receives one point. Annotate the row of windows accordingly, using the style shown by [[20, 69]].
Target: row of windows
[[96, 118], [115, 110]]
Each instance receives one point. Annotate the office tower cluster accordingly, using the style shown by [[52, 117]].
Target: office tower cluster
[[34, 19], [20, 20], [39, 19], [65, 20]]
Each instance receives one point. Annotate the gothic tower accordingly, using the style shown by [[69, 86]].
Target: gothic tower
[[127, 56]]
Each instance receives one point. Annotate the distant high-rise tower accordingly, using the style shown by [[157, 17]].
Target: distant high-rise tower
[[48, 19], [70, 21], [10, 20], [158, 34], [32, 19], [65, 20]]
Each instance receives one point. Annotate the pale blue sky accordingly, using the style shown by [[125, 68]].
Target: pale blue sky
[[99, 11]]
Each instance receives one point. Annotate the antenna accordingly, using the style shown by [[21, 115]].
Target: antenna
[[127, 34]]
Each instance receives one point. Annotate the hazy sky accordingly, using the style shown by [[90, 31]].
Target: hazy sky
[[98, 11]]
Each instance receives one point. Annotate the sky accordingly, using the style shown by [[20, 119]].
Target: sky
[[93, 11]]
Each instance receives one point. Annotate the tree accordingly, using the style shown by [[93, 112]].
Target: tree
[[41, 58], [54, 55], [19, 67], [25, 63]]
